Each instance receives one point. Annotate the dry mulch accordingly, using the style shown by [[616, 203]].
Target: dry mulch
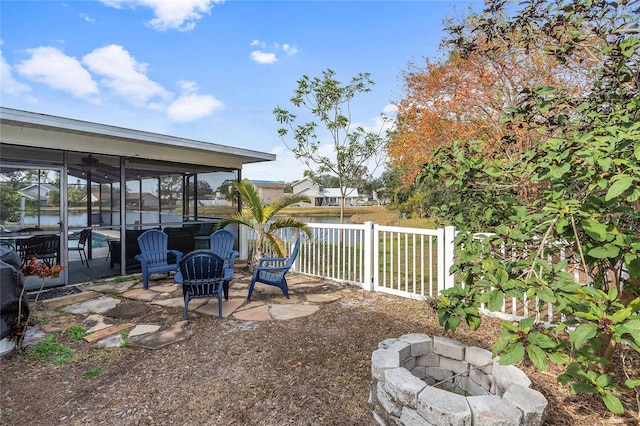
[[308, 371]]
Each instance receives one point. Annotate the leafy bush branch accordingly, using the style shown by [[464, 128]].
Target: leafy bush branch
[[561, 224]]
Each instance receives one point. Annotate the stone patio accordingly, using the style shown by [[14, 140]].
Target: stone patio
[[115, 312]]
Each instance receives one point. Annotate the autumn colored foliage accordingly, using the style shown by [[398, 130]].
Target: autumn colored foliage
[[462, 98]]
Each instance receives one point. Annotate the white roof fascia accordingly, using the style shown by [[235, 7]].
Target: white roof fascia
[[29, 129]]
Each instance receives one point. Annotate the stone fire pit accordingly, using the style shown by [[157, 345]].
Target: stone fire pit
[[471, 387]]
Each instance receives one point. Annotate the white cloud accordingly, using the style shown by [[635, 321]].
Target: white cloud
[[192, 107], [390, 109], [50, 66], [9, 84], [87, 18], [289, 50], [263, 57], [170, 14], [124, 75]]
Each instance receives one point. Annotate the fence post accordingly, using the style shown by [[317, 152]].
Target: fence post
[[369, 263], [296, 262], [449, 255], [243, 244]]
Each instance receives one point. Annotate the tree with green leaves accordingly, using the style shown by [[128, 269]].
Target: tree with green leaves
[[264, 220], [582, 215], [355, 148]]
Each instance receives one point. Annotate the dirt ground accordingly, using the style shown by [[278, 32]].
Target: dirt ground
[[313, 370]]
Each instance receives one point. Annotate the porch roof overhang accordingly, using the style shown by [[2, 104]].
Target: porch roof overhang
[[25, 128]]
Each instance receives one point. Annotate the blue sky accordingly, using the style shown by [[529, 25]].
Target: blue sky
[[209, 70]]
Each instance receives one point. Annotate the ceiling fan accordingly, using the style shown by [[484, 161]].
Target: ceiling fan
[[89, 163]]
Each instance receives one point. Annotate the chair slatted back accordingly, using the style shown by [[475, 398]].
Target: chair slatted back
[[85, 234], [153, 244], [202, 273], [221, 241]]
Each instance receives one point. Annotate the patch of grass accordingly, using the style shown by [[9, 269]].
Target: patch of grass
[[76, 333], [124, 279], [50, 349], [92, 372], [40, 320], [125, 340]]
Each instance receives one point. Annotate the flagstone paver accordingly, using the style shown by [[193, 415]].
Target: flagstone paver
[[141, 329], [101, 334], [292, 300], [178, 302], [69, 300], [112, 287], [235, 292], [128, 310], [61, 323], [285, 312], [256, 313], [251, 305], [114, 341], [97, 306], [267, 289], [323, 298], [228, 306], [166, 288], [140, 294], [96, 322], [163, 337]]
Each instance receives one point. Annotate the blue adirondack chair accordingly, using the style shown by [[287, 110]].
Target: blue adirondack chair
[[221, 243], [272, 271], [153, 256], [201, 275]]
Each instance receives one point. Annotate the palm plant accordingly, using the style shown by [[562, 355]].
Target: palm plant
[[264, 221]]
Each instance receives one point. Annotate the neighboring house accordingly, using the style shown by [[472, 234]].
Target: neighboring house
[[148, 199], [324, 196], [270, 191], [105, 197], [39, 192]]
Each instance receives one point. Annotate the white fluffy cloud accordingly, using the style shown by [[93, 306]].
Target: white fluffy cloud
[[9, 84], [263, 57], [50, 66], [124, 75], [268, 52], [170, 14], [192, 106]]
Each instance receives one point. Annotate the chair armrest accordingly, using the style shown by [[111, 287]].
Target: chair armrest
[[272, 268], [177, 254], [233, 257], [272, 259]]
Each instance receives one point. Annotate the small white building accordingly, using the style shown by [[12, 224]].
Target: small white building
[[324, 196]]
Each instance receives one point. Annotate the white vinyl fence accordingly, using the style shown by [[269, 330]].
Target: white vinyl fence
[[407, 262]]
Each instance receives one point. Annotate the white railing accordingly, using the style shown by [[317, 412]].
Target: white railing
[[515, 309], [408, 262]]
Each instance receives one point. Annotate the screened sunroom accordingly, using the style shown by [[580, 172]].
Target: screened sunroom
[[78, 193]]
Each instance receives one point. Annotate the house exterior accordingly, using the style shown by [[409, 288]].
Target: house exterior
[[108, 178], [270, 191], [320, 196], [39, 192]]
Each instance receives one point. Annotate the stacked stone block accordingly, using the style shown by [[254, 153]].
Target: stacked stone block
[[422, 381]]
